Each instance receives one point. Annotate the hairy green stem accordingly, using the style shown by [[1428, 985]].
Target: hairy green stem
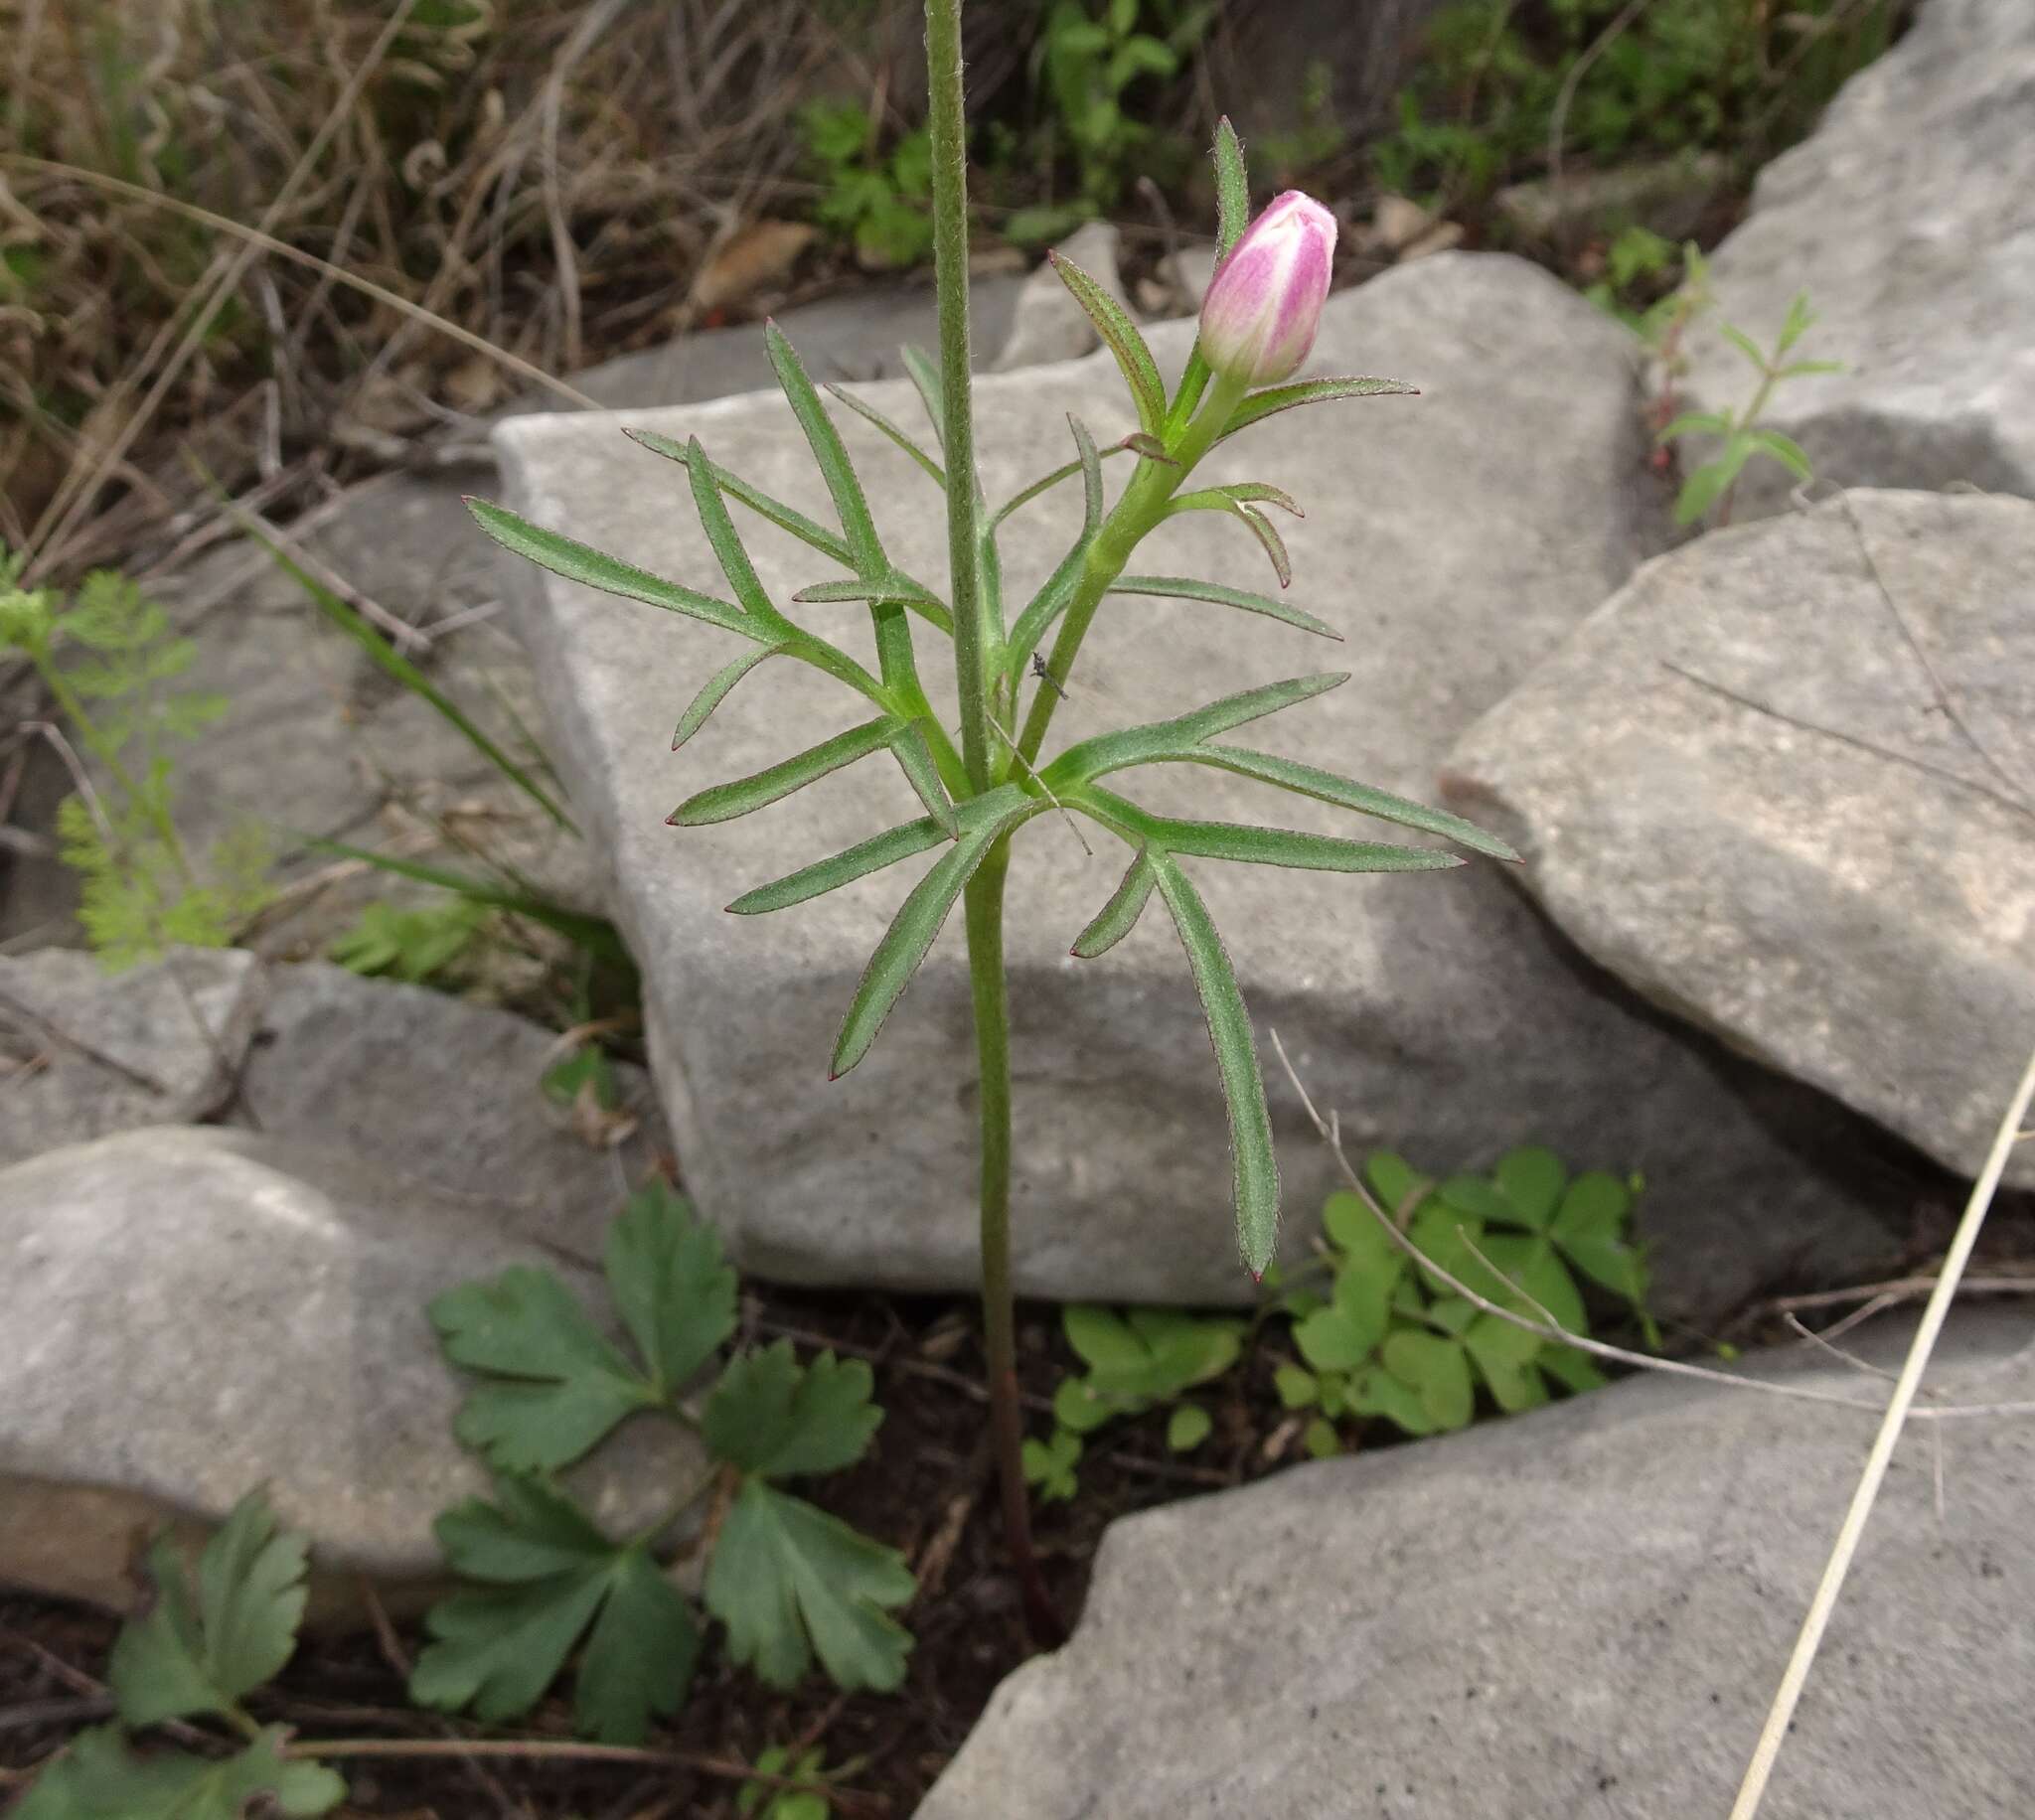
[[1143, 505], [949, 134], [977, 649]]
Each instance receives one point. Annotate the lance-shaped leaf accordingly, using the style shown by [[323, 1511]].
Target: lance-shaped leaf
[[1258, 406], [1231, 500], [918, 921], [714, 691], [723, 802], [1326, 787], [1058, 588], [1232, 187], [1256, 1186], [869, 413], [1120, 335], [828, 450], [825, 875], [894, 585], [1244, 493], [721, 533], [1252, 846], [785, 518], [915, 759], [1116, 918], [925, 380], [1136, 745], [578, 562], [1180, 588]]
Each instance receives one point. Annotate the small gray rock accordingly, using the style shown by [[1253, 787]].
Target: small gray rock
[[1457, 539], [1738, 788], [448, 1094], [1049, 325], [188, 1314], [1580, 1611], [84, 1052], [1909, 219]]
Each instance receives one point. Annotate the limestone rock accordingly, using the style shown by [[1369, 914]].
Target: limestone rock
[[449, 1093], [1457, 539], [1909, 219], [186, 1314], [1049, 325], [84, 1052], [1583, 1611], [1739, 788]]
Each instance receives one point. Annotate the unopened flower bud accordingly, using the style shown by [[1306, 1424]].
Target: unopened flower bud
[[1259, 318]]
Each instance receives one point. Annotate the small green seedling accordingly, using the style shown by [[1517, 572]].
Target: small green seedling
[[1391, 1340], [1142, 1359], [197, 1652], [1716, 480], [786, 1581], [770, 1800], [417, 945]]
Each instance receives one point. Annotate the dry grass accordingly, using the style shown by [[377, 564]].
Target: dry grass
[[551, 176]]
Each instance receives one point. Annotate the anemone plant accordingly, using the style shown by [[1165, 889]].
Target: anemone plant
[[1257, 327]]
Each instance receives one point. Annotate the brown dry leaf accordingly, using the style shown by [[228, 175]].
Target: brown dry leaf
[[595, 1125], [755, 257]]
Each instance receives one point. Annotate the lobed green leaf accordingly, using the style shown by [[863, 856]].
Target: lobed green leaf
[[100, 1778], [673, 1288], [776, 1419]]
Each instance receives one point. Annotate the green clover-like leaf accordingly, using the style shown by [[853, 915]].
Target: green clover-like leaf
[[552, 1578]]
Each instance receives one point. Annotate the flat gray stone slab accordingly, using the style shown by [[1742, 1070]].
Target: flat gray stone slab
[[187, 1314], [1581, 1612], [1739, 788], [1909, 218], [84, 1052], [1457, 539], [448, 1094]]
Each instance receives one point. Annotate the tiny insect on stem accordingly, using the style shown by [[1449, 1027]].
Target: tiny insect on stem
[[1047, 677]]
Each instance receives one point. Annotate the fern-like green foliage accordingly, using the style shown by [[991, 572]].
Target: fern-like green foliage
[[109, 657]]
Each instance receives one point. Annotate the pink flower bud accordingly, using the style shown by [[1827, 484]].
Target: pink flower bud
[[1259, 318]]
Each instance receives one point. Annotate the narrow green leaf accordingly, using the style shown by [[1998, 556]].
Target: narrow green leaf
[[872, 416], [1120, 335], [1798, 369], [878, 590], [721, 533], [1253, 492], [723, 802], [925, 379], [1801, 319], [1259, 405], [1700, 490], [1344, 793], [1181, 587], [828, 450], [1251, 845], [784, 517], [1256, 1169], [1058, 588], [1696, 423], [1232, 187], [391, 663], [1745, 344], [1134, 745], [1048, 481], [831, 875], [1115, 919], [916, 758], [918, 921], [714, 691], [579, 562], [1787, 451]]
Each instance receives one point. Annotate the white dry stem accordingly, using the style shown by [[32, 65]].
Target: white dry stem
[[1781, 1714]]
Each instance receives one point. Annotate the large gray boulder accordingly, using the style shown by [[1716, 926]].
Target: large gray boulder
[[188, 1314], [84, 1052], [449, 1093], [1580, 1611], [1909, 218], [1784, 784], [1457, 539]]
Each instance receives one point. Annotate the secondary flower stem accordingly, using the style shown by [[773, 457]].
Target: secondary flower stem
[[1142, 506]]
